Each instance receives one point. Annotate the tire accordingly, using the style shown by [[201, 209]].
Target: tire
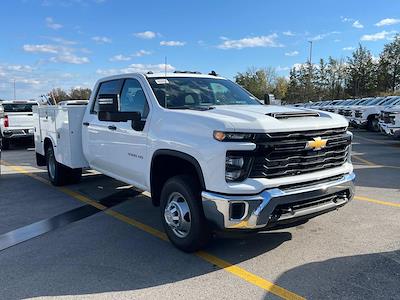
[[182, 214], [5, 144], [372, 125], [58, 173]]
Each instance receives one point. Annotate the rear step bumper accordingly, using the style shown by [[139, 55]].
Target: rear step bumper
[[17, 133], [275, 206]]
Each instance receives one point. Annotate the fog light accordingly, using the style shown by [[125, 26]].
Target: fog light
[[234, 161], [237, 210]]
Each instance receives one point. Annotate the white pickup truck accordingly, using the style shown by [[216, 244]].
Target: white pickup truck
[[211, 155], [16, 120]]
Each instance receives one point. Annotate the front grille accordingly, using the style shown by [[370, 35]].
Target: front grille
[[386, 117], [347, 113], [358, 114], [341, 111], [285, 154]]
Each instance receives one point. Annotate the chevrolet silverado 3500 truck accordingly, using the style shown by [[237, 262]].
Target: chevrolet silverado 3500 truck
[[211, 155]]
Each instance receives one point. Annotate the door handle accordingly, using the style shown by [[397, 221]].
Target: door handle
[[86, 124], [112, 127]]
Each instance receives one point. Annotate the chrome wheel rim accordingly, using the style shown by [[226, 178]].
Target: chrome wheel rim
[[52, 164], [177, 215]]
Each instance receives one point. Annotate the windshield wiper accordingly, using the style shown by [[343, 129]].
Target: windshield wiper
[[200, 108]]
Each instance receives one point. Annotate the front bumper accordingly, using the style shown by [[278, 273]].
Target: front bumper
[[278, 205], [389, 129], [17, 133]]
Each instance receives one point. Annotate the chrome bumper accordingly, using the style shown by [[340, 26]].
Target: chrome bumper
[[267, 208], [17, 133]]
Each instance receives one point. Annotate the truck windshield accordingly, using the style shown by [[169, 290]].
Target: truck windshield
[[199, 93], [18, 107]]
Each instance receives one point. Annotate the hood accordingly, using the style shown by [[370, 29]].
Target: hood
[[262, 118], [395, 108]]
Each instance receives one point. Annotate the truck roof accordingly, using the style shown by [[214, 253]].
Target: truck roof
[[154, 75], [17, 101]]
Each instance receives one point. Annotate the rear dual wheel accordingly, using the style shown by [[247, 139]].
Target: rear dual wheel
[[58, 173], [5, 144]]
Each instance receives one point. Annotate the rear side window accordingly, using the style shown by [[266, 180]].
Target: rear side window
[[107, 87]]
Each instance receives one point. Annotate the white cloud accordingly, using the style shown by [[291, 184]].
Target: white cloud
[[378, 36], [101, 39], [292, 53], [20, 68], [141, 53], [62, 41], [357, 24], [122, 57], [51, 24], [137, 68], [282, 69], [70, 58], [41, 48], [29, 81], [147, 35], [251, 42], [63, 54], [323, 35], [387, 22], [348, 48], [345, 19], [172, 43], [288, 33]]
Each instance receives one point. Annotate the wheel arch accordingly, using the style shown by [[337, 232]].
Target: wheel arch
[[183, 164]]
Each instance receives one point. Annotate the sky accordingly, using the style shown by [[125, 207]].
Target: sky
[[72, 43]]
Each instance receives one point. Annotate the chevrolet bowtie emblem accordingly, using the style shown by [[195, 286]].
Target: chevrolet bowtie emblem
[[317, 144]]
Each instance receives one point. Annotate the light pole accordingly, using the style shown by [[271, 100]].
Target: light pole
[[15, 97], [310, 59]]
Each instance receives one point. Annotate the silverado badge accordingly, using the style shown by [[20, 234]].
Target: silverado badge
[[317, 144]]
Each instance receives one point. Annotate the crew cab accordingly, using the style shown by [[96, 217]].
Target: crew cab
[[211, 155], [16, 120], [367, 116]]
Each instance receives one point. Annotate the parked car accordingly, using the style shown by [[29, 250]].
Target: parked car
[[212, 157], [389, 120], [367, 116], [16, 121]]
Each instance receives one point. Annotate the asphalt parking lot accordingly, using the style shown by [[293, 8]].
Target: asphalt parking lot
[[112, 245]]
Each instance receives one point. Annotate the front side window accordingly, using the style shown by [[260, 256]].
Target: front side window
[[198, 93], [133, 98], [107, 87]]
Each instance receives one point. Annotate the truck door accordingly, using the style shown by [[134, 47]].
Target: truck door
[[129, 149], [97, 135]]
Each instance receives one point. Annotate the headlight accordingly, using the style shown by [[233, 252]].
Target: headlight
[[237, 166], [232, 136]]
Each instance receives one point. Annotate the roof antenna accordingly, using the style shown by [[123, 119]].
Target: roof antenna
[[165, 66]]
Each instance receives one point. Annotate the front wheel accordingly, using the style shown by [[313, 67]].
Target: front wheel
[[373, 125], [182, 214]]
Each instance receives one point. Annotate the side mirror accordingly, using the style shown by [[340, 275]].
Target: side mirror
[[109, 111]]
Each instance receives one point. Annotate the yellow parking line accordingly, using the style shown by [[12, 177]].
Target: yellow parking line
[[369, 140], [226, 266], [356, 157], [362, 198]]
